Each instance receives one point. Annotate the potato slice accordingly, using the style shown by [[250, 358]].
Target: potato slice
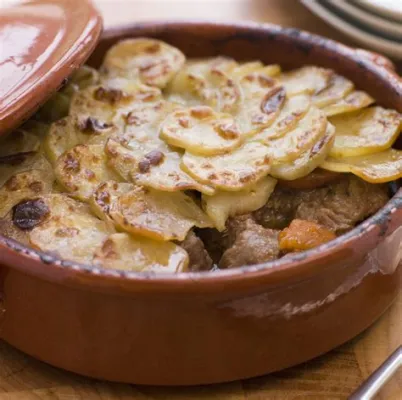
[[385, 166], [306, 80], [84, 77], [232, 171], [151, 61], [262, 103], [294, 109], [207, 83], [201, 130], [352, 102], [68, 229], [308, 161], [69, 132], [339, 87], [310, 129], [107, 194], [10, 230], [19, 141], [82, 168], [24, 185], [255, 66], [128, 253], [20, 162], [366, 131], [223, 205], [157, 215], [162, 171]]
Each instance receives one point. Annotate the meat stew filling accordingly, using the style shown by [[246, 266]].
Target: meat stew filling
[[164, 164]]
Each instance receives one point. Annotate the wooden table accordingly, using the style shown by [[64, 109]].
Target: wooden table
[[333, 376]]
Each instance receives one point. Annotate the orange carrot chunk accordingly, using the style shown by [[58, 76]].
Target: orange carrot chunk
[[303, 235]]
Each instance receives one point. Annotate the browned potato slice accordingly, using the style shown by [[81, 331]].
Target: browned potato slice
[[149, 60], [157, 215], [232, 171], [84, 76], [24, 185], [69, 132], [223, 205], [308, 161], [263, 100], [105, 195], [294, 109], [307, 80], [338, 88], [65, 227], [367, 131], [207, 83], [10, 230], [385, 166], [352, 102], [201, 130], [125, 252], [20, 162], [307, 133], [161, 171], [82, 168]]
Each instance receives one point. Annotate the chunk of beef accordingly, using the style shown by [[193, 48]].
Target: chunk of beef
[[341, 205], [235, 226], [338, 206], [253, 245], [214, 242], [198, 256], [280, 208]]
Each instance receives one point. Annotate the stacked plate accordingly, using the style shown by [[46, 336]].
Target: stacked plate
[[375, 24]]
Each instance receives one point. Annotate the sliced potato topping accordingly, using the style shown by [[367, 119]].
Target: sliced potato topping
[[67, 229], [68, 132], [308, 161], [23, 186], [366, 131], [255, 66], [149, 60], [20, 162], [223, 205], [82, 168], [232, 171], [294, 109], [19, 141], [125, 252], [263, 101], [10, 230], [352, 102], [385, 166], [315, 179], [207, 83], [303, 235], [201, 130], [157, 215], [307, 80], [310, 129], [338, 88]]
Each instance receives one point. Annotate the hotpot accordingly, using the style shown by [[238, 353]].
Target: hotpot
[[206, 327]]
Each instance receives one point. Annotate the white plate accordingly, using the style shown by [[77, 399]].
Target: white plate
[[391, 28], [369, 40], [388, 8]]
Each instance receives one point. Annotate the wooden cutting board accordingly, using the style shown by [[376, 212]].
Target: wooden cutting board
[[332, 376]]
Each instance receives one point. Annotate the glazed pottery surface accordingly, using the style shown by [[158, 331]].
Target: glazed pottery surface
[[42, 42], [211, 327]]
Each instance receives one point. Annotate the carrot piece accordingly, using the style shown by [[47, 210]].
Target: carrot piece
[[303, 235]]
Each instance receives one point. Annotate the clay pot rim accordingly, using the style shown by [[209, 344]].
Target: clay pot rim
[[298, 266]]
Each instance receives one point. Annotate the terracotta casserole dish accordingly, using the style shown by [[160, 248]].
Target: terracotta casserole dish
[[198, 328]]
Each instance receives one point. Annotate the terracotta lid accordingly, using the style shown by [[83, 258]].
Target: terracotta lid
[[41, 43]]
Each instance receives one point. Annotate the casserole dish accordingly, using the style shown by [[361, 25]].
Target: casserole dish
[[198, 328]]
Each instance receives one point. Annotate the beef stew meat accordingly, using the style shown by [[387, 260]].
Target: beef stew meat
[[163, 164]]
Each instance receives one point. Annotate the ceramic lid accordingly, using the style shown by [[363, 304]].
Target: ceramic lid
[[41, 43]]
